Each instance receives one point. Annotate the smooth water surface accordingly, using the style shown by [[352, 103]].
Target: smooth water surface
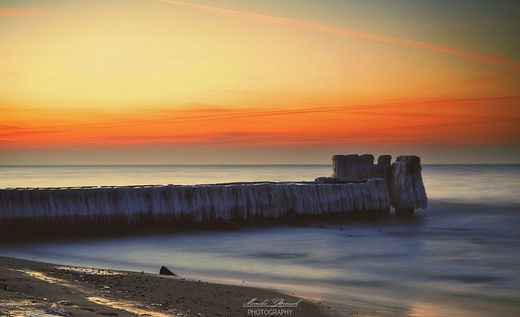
[[459, 257], [123, 175]]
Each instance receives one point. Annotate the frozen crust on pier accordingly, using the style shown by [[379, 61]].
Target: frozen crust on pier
[[403, 177], [407, 188], [197, 203]]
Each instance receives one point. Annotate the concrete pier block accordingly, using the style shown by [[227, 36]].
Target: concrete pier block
[[407, 188], [384, 160]]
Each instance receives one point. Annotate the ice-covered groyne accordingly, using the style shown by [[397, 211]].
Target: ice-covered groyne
[[198, 202], [403, 177], [353, 188], [407, 188]]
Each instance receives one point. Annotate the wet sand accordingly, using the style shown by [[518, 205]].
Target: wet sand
[[29, 288]]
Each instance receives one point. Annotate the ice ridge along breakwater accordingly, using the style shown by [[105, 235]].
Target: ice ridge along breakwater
[[403, 177], [92, 209]]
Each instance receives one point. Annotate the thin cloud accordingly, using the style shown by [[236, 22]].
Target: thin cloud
[[21, 13], [433, 24], [347, 32], [493, 78], [457, 121], [383, 109]]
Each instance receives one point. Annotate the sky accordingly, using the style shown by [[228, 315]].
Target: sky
[[258, 82]]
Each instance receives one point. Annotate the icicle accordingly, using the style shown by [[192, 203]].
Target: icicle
[[205, 202], [407, 190]]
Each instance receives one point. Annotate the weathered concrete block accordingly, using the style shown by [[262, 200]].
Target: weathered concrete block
[[384, 160], [366, 159], [407, 189], [339, 168]]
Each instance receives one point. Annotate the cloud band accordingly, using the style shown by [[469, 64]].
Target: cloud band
[[348, 32]]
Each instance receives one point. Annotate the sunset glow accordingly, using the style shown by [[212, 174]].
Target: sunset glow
[[94, 82]]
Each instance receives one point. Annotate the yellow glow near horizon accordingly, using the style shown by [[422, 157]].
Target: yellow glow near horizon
[[89, 69]]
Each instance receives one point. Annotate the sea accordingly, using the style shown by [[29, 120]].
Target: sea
[[458, 257]]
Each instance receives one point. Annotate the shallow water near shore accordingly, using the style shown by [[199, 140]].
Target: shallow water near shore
[[459, 257]]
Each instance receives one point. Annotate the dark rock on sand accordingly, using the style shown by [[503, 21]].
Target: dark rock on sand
[[165, 271]]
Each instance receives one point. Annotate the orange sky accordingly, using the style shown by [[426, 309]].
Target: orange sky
[[108, 82]]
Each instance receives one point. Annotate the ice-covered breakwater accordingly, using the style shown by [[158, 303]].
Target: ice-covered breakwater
[[111, 208], [403, 177], [237, 201]]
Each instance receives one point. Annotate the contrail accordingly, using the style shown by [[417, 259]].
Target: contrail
[[21, 12], [347, 32]]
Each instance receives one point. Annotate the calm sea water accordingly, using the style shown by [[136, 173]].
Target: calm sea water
[[72, 176], [459, 257]]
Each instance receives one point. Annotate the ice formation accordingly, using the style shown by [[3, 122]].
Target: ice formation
[[198, 202], [355, 166], [356, 185], [407, 188], [403, 178]]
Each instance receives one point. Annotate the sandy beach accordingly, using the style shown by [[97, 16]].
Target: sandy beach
[[29, 288]]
